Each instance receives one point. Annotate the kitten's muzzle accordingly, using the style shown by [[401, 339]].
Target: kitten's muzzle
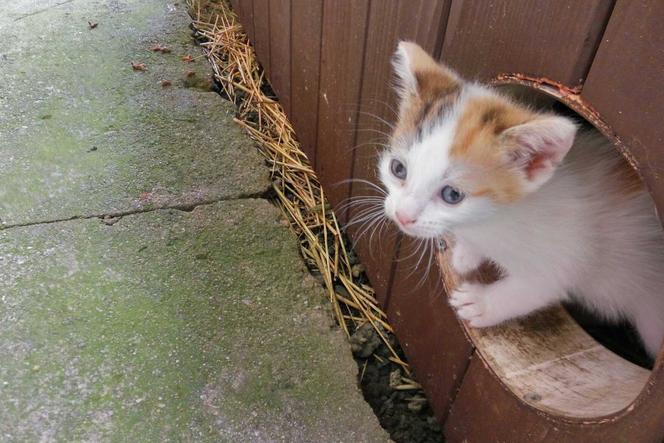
[[403, 219]]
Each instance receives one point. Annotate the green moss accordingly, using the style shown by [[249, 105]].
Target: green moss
[[73, 89], [132, 336]]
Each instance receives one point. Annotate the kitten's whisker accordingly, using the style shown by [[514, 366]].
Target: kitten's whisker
[[369, 103], [427, 271], [365, 227], [364, 216], [365, 209], [362, 197], [377, 131], [360, 202], [425, 248], [363, 181], [420, 244], [374, 229], [380, 228], [370, 143], [377, 227], [380, 119], [416, 249], [387, 105]]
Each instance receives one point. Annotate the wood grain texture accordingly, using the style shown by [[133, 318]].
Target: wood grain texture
[[390, 21], [280, 51], [427, 328], [550, 362], [341, 64], [626, 86], [485, 410], [245, 10], [262, 33], [554, 39], [306, 35]]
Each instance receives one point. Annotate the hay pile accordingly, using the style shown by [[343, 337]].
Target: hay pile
[[298, 191]]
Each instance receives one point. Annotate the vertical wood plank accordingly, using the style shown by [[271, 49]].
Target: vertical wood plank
[[390, 21], [306, 35], [262, 33], [280, 51], [626, 86], [245, 11], [427, 328], [342, 54], [539, 38]]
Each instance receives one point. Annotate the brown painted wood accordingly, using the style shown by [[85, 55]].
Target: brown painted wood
[[245, 10], [485, 410], [338, 60], [555, 39], [389, 22], [428, 329], [280, 51], [626, 86], [306, 31], [262, 33], [342, 55]]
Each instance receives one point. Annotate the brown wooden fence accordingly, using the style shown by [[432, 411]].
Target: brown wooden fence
[[328, 61]]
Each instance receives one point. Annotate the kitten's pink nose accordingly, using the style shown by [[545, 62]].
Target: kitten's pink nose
[[404, 220]]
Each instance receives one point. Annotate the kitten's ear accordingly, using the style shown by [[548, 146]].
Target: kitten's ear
[[537, 147], [420, 75]]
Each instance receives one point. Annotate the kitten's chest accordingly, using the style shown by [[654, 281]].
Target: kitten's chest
[[538, 243]]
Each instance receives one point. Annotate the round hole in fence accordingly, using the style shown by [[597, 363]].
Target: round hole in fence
[[564, 361]]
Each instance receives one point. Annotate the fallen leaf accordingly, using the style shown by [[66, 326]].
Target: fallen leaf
[[136, 66], [187, 59], [191, 73], [165, 83], [160, 48], [92, 25]]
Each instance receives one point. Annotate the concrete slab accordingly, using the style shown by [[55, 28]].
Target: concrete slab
[[171, 326], [159, 324], [82, 133]]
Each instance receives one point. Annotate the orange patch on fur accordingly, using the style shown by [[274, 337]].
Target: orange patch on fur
[[418, 110], [478, 143], [437, 88]]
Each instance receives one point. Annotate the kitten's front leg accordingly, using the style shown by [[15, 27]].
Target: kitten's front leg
[[511, 297], [465, 258]]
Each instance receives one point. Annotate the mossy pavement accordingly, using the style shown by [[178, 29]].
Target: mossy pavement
[[148, 292]]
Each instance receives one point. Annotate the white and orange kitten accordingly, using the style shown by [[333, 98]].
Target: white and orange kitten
[[501, 179]]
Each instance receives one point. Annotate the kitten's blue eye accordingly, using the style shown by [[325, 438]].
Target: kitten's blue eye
[[451, 195], [398, 169]]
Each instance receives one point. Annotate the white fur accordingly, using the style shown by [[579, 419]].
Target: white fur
[[574, 234]]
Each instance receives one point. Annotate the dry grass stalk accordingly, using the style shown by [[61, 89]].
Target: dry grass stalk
[[295, 184]]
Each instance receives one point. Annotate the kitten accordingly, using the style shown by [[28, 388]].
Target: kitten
[[467, 161]]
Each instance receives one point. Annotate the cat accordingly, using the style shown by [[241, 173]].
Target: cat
[[557, 209]]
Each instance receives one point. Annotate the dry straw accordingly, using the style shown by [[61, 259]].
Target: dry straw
[[295, 184]]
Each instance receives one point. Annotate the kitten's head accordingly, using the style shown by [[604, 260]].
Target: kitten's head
[[460, 150]]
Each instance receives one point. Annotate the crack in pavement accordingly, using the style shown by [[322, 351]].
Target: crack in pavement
[[110, 218], [39, 11]]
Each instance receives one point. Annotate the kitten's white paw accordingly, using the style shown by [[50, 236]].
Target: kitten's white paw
[[471, 302], [464, 260]]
